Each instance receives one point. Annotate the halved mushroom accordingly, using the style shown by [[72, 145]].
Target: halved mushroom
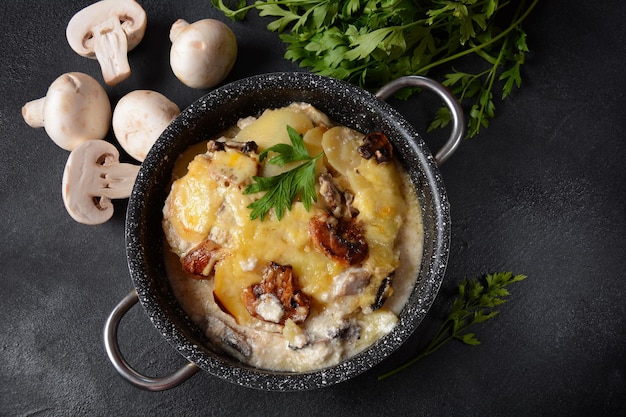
[[93, 175], [139, 118], [106, 31], [75, 109]]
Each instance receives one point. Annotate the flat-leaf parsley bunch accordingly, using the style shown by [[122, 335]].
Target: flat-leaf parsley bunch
[[371, 42]]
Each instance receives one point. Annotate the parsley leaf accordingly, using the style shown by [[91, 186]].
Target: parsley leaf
[[372, 42], [283, 189], [474, 304]]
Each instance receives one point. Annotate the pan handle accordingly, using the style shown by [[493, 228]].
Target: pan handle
[[456, 112], [122, 367]]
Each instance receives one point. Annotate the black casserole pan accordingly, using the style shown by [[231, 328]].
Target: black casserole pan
[[221, 108]]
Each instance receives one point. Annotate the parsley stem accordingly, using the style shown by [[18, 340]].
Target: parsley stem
[[490, 80], [404, 365], [241, 11], [441, 338], [483, 45], [435, 344]]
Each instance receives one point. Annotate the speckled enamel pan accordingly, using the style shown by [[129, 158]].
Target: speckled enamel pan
[[221, 108]]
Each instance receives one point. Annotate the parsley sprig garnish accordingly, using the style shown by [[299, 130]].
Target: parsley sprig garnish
[[474, 304], [283, 189], [371, 42]]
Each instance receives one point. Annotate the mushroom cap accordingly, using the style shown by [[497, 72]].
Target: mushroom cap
[[79, 30], [202, 53], [139, 119], [76, 108], [92, 176]]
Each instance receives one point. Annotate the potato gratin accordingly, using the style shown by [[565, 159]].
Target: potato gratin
[[315, 287]]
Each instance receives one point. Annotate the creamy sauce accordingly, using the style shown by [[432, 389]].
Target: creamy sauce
[[342, 320]]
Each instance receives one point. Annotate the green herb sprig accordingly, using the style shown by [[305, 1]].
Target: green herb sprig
[[474, 304], [283, 189], [371, 42]]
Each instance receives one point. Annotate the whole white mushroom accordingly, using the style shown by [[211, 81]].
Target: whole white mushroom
[[203, 52], [75, 109], [139, 119]]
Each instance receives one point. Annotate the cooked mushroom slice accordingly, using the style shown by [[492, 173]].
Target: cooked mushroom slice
[[201, 260], [249, 147], [339, 204], [139, 119], [331, 195], [317, 117], [376, 145], [334, 322], [350, 282], [229, 165], [106, 31], [75, 109], [345, 329], [215, 146], [276, 298], [341, 240], [243, 147], [349, 199], [93, 175], [228, 339], [384, 291]]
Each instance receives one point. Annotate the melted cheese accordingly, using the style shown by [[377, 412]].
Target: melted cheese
[[208, 202]]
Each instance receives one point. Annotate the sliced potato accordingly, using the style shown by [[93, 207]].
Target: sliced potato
[[271, 127], [340, 147]]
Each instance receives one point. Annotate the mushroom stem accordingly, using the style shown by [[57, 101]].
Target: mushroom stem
[[177, 29], [32, 112], [117, 180], [110, 47]]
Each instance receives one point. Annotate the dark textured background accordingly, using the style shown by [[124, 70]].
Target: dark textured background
[[542, 192]]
